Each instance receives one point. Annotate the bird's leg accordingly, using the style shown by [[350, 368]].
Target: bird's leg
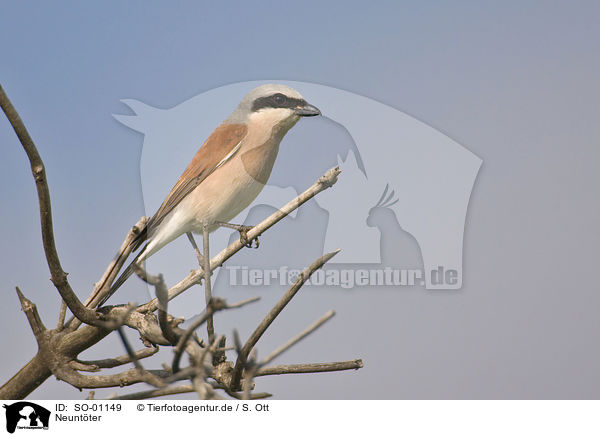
[[198, 254], [207, 284], [243, 230]]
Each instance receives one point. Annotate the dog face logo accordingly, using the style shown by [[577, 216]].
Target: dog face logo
[[400, 202], [26, 415]]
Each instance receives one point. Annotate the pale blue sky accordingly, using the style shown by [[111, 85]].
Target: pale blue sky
[[515, 83]]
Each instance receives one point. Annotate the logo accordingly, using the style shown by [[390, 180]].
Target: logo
[[398, 210], [26, 415]]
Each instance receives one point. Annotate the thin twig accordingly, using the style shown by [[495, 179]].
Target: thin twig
[[33, 317], [310, 367], [250, 396], [216, 305], [120, 360], [249, 373], [163, 302], [151, 378], [153, 393], [62, 313], [318, 323], [57, 275], [129, 349], [242, 303], [276, 310], [125, 378], [204, 389]]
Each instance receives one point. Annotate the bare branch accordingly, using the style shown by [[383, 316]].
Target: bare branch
[[163, 302], [250, 396], [276, 310], [318, 323], [58, 276], [153, 393], [310, 367], [35, 322], [72, 343], [62, 313], [242, 303], [80, 366], [146, 325], [125, 378], [251, 367], [120, 360], [182, 389], [215, 305], [202, 387], [129, 349]]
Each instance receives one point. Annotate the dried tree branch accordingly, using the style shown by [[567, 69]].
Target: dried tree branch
[[120, 360], [250, 396], [33, 317], [151, 378], [163, 302], [62, 313], [310, 367], [69, 344], [202, 387], [79, 366], [215, 305], [251, 367], [125, 378], [241, 303], [318, 323], [57, 275], [276, 310], [154, 393], [129, 349], [146, 324], [181, 389]]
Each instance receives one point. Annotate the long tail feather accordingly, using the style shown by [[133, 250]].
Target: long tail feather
[[135, 244], [127, 272]]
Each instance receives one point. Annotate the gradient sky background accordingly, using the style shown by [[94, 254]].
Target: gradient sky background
[[515, 84]]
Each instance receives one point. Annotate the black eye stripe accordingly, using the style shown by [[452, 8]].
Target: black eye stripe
[[275, 101]]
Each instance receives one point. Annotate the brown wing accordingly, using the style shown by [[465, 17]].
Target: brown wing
[[220, 146]]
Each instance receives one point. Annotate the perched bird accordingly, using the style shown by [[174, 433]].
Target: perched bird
[[226, 174]]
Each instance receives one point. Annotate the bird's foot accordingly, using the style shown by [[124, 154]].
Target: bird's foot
[[243, 231], [244, 237]]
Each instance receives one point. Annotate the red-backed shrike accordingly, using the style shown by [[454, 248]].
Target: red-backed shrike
[[227, 173]]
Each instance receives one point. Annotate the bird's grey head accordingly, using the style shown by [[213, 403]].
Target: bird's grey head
[[274, 102]]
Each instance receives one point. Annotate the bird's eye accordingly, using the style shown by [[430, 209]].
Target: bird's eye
[[279, 99]]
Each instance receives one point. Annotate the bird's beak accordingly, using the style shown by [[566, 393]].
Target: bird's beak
[[307, 110]]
